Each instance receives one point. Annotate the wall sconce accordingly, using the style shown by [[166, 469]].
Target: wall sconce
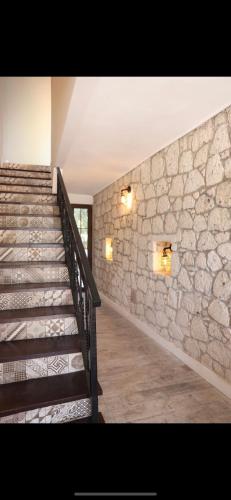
[[166, 259], [108, 249], [162, 257], [126, 196]]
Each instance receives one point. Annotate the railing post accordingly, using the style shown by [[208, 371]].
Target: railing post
[[85, 299]]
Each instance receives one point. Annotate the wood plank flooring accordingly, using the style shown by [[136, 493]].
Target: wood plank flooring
[[144, 383]]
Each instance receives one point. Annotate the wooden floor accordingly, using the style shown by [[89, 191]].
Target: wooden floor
[[143, 383]]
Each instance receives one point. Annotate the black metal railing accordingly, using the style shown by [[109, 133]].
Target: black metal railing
[[84, 292]]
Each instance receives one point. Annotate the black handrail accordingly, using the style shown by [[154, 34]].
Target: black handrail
[[84, 291]]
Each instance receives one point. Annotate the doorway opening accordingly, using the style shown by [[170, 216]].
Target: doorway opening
[[83, 217]]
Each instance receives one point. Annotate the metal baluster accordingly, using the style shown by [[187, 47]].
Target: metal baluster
[[84, 303]]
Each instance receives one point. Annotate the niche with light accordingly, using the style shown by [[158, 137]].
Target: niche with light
[[126, 197], [162, 257], [108, 249]]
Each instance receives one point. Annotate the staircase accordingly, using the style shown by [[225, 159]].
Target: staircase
[[48, 371]]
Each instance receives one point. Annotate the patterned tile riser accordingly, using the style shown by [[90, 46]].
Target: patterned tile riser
[[40, 367], [38, 175], [38, 329], [25, 189], [34, 298], [42, 274], [13, 236], [18, 166], [36, 221], [28, 198], [28, 209], [26, 182], [31, 254], [52, 414]]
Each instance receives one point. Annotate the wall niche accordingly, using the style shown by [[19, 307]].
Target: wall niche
[[108, 249], [162, 257]]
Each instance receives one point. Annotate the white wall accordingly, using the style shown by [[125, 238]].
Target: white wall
[[61, 93], [1, 117], [85, 199], [26, 120]]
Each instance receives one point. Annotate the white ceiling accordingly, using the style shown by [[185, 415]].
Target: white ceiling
[[114, 123]]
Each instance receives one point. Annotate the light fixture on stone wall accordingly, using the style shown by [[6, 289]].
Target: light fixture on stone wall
[[108, 249], [126, 196], [162, 257], [166, 259]]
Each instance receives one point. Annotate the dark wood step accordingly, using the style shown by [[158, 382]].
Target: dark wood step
[[31, 228], [41, 392], [32, 245], [14, 350], [24, 170], [28, 192], [34, 263], [24, 185], [9, 202], [25, 287], [86, 420], [36, 313], [24, 176], [10, 214]]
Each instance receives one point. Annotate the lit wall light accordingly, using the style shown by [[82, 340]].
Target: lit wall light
[[162, 257], [108, 249], [166, 259], [126, 197]]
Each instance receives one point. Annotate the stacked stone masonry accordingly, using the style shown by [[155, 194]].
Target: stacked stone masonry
[[181, 194]]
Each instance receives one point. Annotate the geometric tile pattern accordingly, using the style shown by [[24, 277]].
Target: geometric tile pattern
[[40, 367], [38, 274], [9, 221], [38, 175], [38, 298], [51, 414], [21, 166], [27, 254], [38, 328], [26, 182], [25, 189], [29, 209], [34, 236], [28, 198]]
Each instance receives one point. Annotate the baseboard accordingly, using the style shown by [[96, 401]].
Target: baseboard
[[202, 370]]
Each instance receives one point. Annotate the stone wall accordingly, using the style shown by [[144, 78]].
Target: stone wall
[[182, 194]]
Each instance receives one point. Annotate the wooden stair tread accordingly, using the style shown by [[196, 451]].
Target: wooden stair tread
[[13, 202], [5, 183], [25, 176], [14, 350], [41, 392], [32, 245], [31, 228], [86, 420], [12, 214], [32, 263], [36, 313], [25, 170], [34, 286], [28, 192]]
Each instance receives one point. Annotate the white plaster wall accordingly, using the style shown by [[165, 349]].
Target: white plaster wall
[[61, 93], [1, 117], [26, 120], [84, 199]]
